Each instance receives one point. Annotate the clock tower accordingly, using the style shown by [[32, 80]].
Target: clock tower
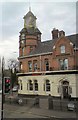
[[30, 36], [29, 20]]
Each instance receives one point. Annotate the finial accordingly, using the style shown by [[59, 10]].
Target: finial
[[29, 6]]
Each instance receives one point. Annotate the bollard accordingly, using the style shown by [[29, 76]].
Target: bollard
[[20, 101], [37, 101], [60, 103], [50, 102]]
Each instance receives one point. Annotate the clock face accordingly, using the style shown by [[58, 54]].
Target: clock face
[[28, 21]]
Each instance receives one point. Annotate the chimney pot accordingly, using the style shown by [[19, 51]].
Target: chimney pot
[[61, 33], [55, 33]]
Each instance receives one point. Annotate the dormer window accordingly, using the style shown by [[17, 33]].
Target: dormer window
[[62, 49]]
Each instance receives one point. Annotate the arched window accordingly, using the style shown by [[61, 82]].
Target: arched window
[[20, 85], [35, 65], [22, 36], [47, 85], [31, 48], [30, 85], [30, 66], [63, 64], [47, 64], [35, 85], [21, 66]]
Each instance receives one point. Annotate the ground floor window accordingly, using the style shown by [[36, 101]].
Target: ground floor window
[[35, 85], [47, 86], [30, 85], [20, 85]]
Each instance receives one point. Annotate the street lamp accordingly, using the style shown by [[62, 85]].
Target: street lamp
[[2, 87]]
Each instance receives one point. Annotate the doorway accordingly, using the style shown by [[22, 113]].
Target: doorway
[[65, 85]]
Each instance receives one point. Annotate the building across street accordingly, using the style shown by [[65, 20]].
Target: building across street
[[49, 67]]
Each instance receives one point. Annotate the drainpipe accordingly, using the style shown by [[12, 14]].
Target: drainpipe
[[40, 64]]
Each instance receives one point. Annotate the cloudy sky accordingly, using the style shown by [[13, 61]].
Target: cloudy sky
[[61, 15]]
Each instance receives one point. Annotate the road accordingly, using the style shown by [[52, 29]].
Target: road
[[14, 110], [17, 111]]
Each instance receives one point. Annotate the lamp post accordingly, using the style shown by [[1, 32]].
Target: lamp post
[[3, 97]]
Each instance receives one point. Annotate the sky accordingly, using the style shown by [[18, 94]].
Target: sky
[[50, 14]]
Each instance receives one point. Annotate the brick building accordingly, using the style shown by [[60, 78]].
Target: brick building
[[49, 67]]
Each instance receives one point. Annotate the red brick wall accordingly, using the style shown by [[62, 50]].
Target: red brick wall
[[53, 58], [31, 40]]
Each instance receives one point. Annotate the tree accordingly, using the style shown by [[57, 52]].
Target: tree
[[13, 66]]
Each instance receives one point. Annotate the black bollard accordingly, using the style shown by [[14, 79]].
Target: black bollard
[[50, 102], [37, 101]]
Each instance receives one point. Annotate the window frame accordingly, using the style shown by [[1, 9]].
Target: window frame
[[62, 49], [35, 67], [47, 86], [35, 85], [23, 49], [46, 64], [30, 85], [30, 66], [22, 36], [63, 64]]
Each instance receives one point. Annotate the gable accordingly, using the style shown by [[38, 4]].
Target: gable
[[63, 46], [49, 46]]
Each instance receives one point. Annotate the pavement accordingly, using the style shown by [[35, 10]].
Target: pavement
[[14, 110], [17, 111]]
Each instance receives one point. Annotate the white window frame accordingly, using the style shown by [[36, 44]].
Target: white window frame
[[47, 84], [64, 63], [35, 85], [62, 48], [30, 66]]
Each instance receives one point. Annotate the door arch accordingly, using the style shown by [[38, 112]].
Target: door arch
[[65, 88]]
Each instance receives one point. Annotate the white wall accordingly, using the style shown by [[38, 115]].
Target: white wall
[[54, 80]]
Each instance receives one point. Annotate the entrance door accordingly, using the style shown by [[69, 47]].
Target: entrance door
[[65, 89]]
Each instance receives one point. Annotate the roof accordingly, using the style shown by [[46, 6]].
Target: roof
[[47, 46], [30, 30], [29, 14], [74, 39]]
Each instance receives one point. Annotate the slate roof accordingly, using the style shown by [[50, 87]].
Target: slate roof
[[30, 30], [74, 39], [29, 14], [47, 46]]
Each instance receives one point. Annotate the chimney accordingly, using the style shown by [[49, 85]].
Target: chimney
[[61, 33], [55, 33]]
